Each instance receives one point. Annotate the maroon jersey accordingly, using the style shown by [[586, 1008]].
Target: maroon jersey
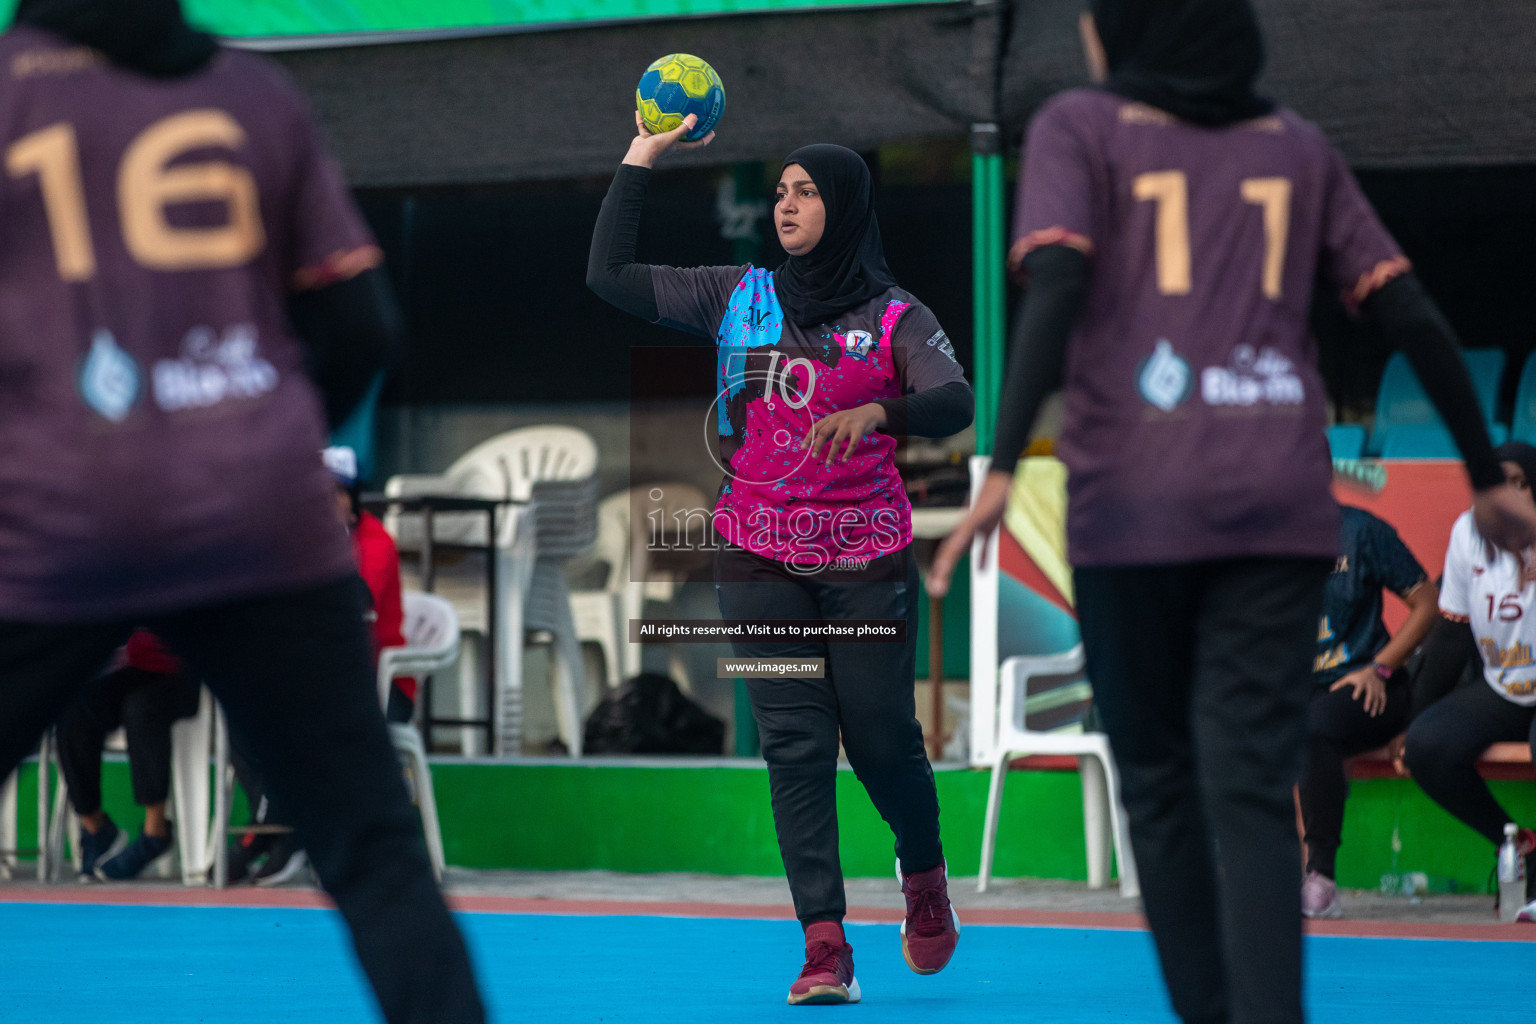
[[158, 436], [1194, 410]]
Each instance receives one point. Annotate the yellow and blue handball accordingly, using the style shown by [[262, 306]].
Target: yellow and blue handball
[[675, 86]]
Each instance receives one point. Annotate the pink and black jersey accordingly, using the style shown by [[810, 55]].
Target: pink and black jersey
[[775, 378], [157, 429], [1194, 410]]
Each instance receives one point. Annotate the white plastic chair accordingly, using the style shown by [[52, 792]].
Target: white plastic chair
[[624, 549], [191, 743], [8, 829], [431, 644], [1096, 766], [506, 467], [601, 612]]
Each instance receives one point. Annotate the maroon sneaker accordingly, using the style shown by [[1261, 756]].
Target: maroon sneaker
[[827, 976], [932, 927]]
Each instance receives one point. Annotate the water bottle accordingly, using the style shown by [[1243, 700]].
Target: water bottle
[[1511, 875], [1417, 884]]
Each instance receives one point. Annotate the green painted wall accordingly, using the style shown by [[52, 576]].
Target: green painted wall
[[717, 820]]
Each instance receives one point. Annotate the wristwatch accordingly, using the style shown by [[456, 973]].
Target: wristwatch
[[1382, 671]]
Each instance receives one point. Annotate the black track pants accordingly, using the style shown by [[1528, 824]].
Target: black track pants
[[1445, 742], [295, 675], [1337, 729], [866, 699], [1202, 673], [146, 705]]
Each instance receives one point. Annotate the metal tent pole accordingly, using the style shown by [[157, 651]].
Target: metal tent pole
[[987, 288]]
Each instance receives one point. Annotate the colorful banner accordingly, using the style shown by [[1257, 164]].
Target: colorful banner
[[246, 19]]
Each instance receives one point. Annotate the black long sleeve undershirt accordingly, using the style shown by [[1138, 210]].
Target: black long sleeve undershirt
[[351, 330], [615, 276], [937, 412], [1414, 324], [1058, 287], [611, 268]]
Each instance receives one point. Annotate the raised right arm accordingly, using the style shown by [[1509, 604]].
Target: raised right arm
[[611, 268]]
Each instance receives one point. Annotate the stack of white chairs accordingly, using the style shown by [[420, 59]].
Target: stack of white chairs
[[669, 514], [548, 474], [565, 524], [1104, 821]]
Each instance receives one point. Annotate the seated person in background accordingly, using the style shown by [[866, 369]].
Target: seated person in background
[[1360, 694], [378, 567], [378, 563], [145, 695], [1488, 609]]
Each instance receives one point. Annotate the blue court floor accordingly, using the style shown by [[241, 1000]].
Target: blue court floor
[[232, 965]]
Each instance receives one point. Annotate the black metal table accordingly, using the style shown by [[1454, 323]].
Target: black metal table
[[429, 505]]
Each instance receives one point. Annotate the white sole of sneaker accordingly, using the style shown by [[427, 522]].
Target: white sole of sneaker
[[828, 995], [905, 955], [117, 846], [289, 871], [1331, 911]]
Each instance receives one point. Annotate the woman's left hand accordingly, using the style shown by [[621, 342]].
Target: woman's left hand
[[1370, 689], [847, 428]]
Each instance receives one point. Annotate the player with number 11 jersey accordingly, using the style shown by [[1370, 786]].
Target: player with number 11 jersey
[[188, 296]]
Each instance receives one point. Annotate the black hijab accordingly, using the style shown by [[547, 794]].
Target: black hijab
[[147, 36], [1520, 453], [847, 267], [1196, 59]]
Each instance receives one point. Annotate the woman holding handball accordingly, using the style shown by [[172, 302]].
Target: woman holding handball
[[823, 363]]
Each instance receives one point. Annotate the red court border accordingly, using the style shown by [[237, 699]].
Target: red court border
[[302, 899]]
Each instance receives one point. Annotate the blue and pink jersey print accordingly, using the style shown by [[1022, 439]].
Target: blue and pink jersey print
[[775, 379]]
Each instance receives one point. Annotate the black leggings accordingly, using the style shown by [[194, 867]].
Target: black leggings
[[1338, 728], [263, 811], [1444, 744], [867, 697], [295, 675], [1201, 674], [146, 705]]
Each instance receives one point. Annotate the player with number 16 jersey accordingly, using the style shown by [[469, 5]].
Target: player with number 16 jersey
[[188, 295], [157, 429]]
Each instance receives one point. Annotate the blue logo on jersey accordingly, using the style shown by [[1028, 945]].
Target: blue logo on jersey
[[1164, 378], [110, 381], [752, 320]]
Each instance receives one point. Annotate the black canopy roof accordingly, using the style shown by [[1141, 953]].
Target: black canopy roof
[[1394, 83]]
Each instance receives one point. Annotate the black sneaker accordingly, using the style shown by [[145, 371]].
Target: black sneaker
[[95, 847], [283, 864], [242, 854], [135, 857]]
